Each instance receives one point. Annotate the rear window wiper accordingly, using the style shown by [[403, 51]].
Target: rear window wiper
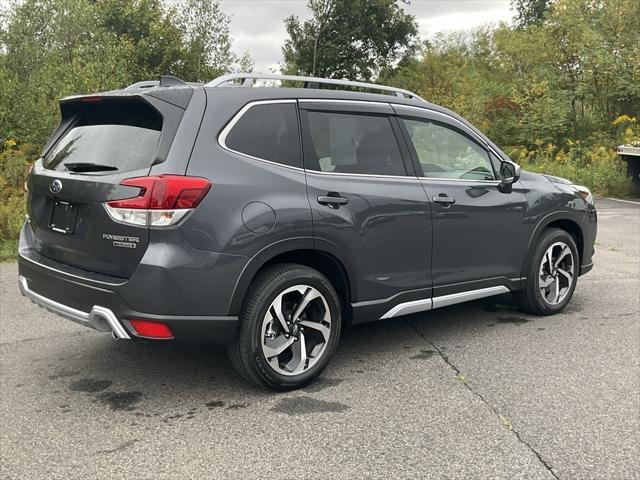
[[88, 167]]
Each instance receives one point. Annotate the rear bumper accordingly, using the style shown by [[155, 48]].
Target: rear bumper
[[59, 295], [99, 318], [107, 304]]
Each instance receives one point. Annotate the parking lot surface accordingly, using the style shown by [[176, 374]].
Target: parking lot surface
[[478, 390]]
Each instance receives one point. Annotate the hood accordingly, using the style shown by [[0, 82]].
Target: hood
[[560, 180]]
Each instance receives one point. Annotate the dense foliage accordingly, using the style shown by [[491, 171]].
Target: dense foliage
[[53, 48], [558, 90]]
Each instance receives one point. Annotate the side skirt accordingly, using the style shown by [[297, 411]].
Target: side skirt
[[443, 301]]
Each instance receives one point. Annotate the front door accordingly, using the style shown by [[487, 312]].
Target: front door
[[367, 203], [480, 234]]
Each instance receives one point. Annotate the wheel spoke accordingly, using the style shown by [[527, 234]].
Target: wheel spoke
[[317, 326], [557, 291], [308, 296], [565, 251], [277, 346], [550, 258], [566, 274], [276, 306], [301, 355]]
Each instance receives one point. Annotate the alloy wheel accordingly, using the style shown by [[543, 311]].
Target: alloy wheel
[[557, 273], [295, 330]]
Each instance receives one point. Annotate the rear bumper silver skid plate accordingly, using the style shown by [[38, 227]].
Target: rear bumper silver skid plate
[[99, 318]]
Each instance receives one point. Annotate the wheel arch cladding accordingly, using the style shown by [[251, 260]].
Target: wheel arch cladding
[[327, 264], [569, 225]]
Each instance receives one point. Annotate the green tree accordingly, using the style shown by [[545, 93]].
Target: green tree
[[50, 49], [348, 38], [53, 48], [155, 41], [567, 78], [530, 12], [208, 51]]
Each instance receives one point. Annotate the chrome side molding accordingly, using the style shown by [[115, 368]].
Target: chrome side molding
[[415, 306], [406, 308], [454, 298], [99, 318]]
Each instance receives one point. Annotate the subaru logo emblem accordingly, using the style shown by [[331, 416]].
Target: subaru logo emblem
[[56, 186]]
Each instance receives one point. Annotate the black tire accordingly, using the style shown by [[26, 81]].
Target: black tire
[[246, 352], [530, 297]]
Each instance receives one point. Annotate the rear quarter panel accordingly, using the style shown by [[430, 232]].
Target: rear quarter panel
[[254, 209]]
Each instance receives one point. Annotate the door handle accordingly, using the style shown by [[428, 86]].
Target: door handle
[[444, 200], [333, 200]]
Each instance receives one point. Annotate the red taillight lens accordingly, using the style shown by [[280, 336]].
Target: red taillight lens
[[165, 192], [144, 196], [161, 202], [148, 329]]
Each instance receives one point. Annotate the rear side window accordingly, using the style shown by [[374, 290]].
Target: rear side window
[[269, 132], [112, 136], [351, 143]]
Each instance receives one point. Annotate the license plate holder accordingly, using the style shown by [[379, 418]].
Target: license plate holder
[[63, 217]]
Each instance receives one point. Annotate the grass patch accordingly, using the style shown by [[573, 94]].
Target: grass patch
[[8, 250]]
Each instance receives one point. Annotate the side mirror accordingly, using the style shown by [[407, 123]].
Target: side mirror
[[509, 174]]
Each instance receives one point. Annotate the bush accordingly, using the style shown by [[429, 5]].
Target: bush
[[597, 167], [14, 165]]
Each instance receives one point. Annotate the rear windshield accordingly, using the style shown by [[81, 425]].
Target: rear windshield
[[110, 136]]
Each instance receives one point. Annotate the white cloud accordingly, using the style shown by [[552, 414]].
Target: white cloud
[[461, 21]]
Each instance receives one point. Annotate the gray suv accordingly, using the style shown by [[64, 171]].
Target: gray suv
[[268, 219]]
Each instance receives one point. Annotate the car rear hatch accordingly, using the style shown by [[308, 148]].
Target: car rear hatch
[[101, 142]]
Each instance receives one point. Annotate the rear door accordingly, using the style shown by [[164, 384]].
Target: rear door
[[480, 234], [366, 201], [100, 142]]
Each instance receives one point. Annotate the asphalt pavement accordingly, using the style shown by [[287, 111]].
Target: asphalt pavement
[[472, 391]]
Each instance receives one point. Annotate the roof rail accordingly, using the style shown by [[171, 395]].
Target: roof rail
[[247, 80]]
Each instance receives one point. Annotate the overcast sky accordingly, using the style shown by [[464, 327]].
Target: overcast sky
[[257, 25]]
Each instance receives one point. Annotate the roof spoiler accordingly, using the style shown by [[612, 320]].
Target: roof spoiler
[[165, 81]]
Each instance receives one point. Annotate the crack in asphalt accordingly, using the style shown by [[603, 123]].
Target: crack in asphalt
[[505, 422]]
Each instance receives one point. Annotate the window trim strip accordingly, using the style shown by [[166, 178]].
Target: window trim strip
[[225, 131], [222, 138], [428, 111]]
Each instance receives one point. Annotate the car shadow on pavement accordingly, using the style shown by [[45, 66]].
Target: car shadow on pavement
[[97, 365]]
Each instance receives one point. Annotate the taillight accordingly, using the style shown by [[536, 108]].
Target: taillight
[[26, 179], [91, 99], [162, 201]]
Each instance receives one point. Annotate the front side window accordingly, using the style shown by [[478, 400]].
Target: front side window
[[268, 131], [351, 143], [445, 153]]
